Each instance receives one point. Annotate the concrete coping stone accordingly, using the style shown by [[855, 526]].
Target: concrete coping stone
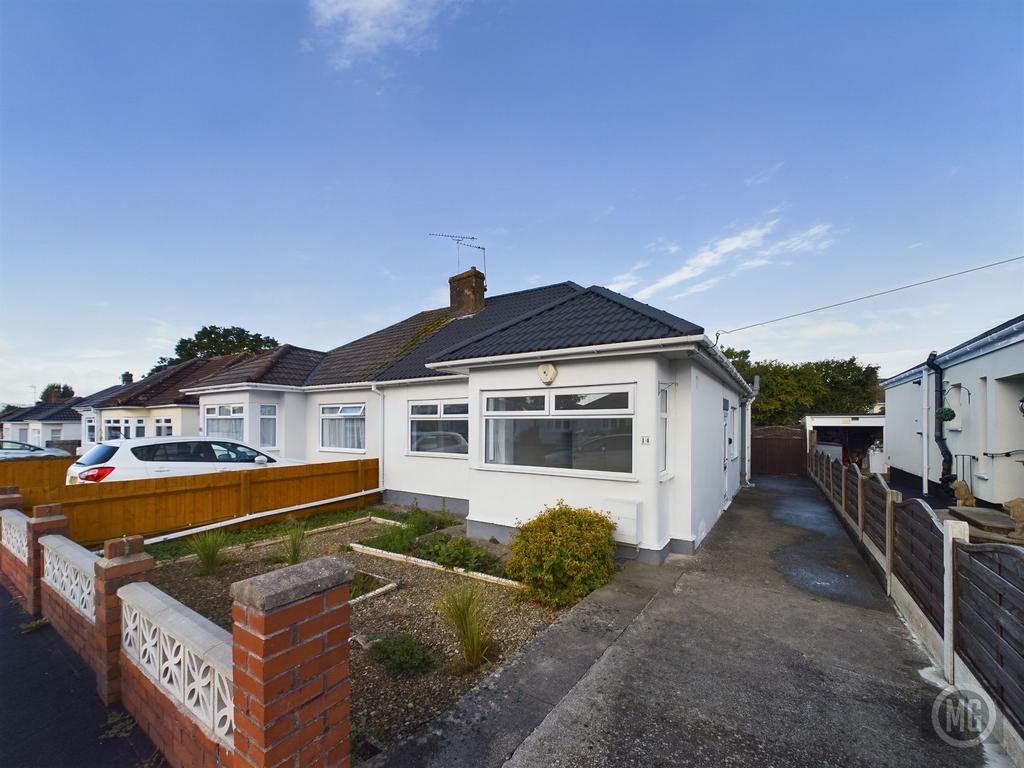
[[14, 516], [202, 636], [288, 585], [80, 557]]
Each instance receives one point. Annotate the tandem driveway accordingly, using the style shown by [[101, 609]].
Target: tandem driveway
[[774, 645]]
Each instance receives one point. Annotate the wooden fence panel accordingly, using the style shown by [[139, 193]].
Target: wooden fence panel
[[99, 511], [836, 471], [777, 455], [918, 557], [852, 490], [38, 480], [874, 511], [989, 621]]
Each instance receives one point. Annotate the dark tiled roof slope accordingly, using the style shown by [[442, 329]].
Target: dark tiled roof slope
[[46, 412], [164, 387], [497, 312], [103, 394], [582, 319], [286, 365]]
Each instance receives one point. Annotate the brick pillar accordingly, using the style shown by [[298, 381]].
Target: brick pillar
[[123, 562], [291, 673], [10, 498], [43, 520]]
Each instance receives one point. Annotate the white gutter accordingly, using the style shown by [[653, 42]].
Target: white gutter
[[243, 386], [380, 436]]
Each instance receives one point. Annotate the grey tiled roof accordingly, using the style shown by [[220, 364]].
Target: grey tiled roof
[[581, 319], [46, 412], [164, 387]]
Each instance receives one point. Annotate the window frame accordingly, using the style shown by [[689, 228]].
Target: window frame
[[554, 414], [163, 423], [439, 416], [339, 415], [234, 411], [90, 424], [664, 445], [259, 432]]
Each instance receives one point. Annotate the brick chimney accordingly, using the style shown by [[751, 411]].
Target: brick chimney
[[467, 291], [127, 378]]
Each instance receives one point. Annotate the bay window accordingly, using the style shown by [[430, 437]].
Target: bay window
[[439, 426], [585, 430], [343, 427], [225, 421]]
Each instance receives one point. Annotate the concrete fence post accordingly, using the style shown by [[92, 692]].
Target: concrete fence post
[[892, 497], [123, 562], [291, 665], [861, 482], [842, 491], [43, 520], [952, 532]]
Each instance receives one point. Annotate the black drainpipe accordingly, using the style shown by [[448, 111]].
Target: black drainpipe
[[940, 426]]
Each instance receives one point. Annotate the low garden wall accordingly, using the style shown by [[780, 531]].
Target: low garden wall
[[274, 690], [964, 601]]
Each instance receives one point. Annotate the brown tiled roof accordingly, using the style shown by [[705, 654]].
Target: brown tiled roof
[[286, 365], [164, 387]]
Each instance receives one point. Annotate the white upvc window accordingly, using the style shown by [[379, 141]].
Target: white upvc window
[[343, 427], [140, 428], [113, 429], [439, 427], [225, 421], [268, 426], [90, 430], [663, 427], [23, 434], [163, 427], [586, 430], [55, 433]]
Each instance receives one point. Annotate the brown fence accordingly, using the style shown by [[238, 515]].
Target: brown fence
[[917, 556], [777, 455], [852, 498], [100, 511], [38, 480], [836, 471], [874, 511], [989, 633]]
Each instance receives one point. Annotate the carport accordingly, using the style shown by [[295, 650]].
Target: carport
[[844, 436]]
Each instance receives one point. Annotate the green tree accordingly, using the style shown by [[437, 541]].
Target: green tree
[[212, 341], [54, 393], [791, 390]]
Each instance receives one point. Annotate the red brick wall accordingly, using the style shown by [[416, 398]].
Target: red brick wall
[[183, 743], [17, 572], [77, 631]]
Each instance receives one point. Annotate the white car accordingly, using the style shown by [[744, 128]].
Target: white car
[[13, 449], [149, 457]]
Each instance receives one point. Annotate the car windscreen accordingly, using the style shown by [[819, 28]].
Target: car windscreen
[[98, 455]]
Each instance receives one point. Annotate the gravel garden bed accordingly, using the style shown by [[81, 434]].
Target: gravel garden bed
[[384, 709]]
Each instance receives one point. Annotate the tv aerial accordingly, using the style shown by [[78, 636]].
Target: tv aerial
[[460, 242]]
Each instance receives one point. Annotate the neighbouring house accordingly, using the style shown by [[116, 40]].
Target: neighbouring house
[[154, 406], [494, 407], [843, 436], [981, 382], [43, 423]]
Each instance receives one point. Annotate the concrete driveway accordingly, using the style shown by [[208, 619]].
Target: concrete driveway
[[774, 645]]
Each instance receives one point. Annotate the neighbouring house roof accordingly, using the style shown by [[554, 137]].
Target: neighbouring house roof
[[286, 365], [64, 411], [98, 397], [164, 387], [583, 318], [1004, 334]]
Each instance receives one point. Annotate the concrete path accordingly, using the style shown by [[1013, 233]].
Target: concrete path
[[773, 646], [50, 715]]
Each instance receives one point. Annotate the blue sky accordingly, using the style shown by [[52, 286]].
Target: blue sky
[[278, 166]]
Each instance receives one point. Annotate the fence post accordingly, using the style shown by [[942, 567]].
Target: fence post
[[291, 667], [861, 481], [892, 497], [842, 491], [43, 520], [244, 493], [952, 532], [123, 562]]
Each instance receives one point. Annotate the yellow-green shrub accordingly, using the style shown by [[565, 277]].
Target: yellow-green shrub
[[563, 554]]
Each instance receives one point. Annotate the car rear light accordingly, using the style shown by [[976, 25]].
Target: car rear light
[[95, 474]]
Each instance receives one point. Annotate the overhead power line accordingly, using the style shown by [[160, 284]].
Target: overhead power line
[[870, 296]]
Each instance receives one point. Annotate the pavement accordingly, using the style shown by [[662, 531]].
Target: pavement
[[774, 646], [50, 715]]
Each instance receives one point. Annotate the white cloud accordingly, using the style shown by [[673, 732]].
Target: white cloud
[[608, 211], [914, 246], [754, 263], [663, 245], [627, 280], [361, 29], [388, 274], [700, 287], [815, 238], [710, 257], [762, 177]]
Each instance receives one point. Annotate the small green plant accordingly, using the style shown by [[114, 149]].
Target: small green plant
[[207, 546], [34, 626], [463, 610], [459, 552], [294, 544], [363, 584], [423, 522], [395, 539], [563, 554], [119, 725], [402, 656]]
